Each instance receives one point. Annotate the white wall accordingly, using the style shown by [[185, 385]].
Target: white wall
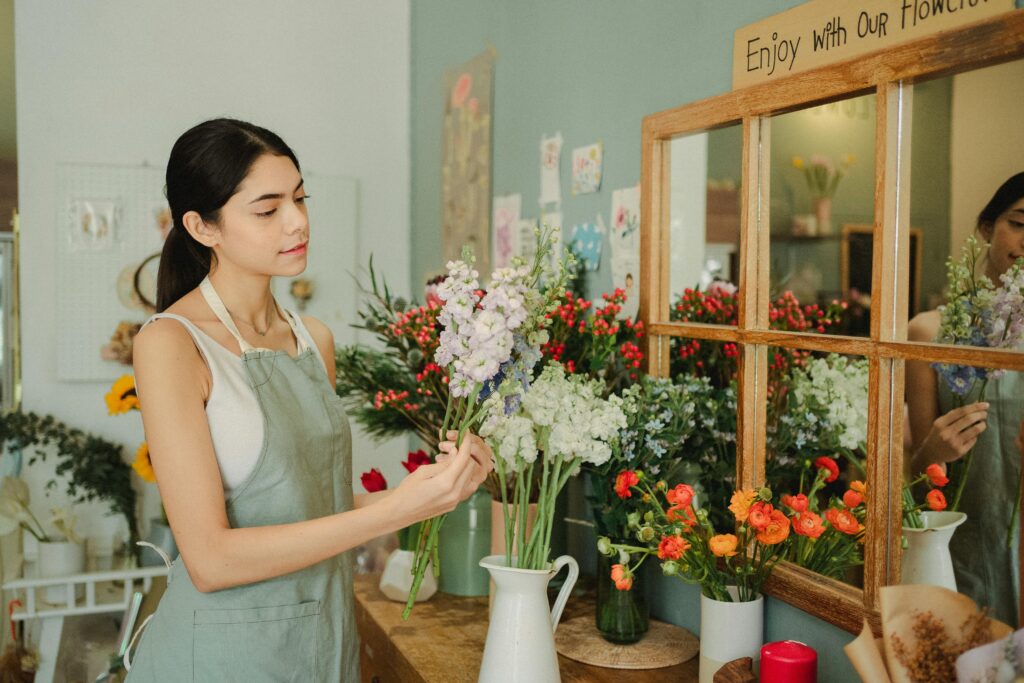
[[117, 81], [985, 143]]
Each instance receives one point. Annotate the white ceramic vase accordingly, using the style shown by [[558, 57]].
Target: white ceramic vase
[[926, 559], [521, 637], [396, 579], [60, 558], [728, 631]]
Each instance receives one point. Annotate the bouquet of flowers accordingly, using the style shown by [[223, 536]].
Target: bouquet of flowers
[[488, 346], [978, 314], [822, 174], [560, 423], [593, 342], [827, 542], [688, 547], [935, 499]]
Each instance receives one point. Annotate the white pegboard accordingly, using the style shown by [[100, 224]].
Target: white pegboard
[[87, 302]]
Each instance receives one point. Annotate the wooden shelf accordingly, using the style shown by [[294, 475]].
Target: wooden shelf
[[443, 642]]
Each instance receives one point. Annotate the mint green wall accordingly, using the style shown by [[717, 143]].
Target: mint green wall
[[591, 70]]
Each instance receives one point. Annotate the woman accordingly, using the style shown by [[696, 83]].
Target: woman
[[250, 445], [986, 569]]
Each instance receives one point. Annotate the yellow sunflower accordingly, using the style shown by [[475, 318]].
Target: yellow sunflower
[[142, 465], [122, 397]]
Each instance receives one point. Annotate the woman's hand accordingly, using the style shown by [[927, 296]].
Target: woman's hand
[[435, 489], [954, 434]]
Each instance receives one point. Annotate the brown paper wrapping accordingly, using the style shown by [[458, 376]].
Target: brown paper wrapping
[[873, 658]]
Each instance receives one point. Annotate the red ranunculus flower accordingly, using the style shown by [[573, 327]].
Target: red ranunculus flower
[[936, 475], [672, 547], [936, 500], [760, 514], [797, 503], [415, 459], [843, 520], [373, 481], [827, 463], [808, 524], [622, 577], [624, 482], [852, 499], [681, 495]]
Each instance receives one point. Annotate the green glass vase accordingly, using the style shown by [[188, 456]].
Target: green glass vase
[[623, 617], [464, 540]]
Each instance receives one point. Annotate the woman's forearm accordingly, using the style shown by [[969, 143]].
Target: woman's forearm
[[364, 499], [235, 557]]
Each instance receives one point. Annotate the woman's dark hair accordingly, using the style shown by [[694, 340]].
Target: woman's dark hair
[[207, 164], [1006, 196]]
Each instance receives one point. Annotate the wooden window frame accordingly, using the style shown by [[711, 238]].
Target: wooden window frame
[[890, 75]]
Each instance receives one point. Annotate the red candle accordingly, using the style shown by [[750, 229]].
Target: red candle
[[788, 661]]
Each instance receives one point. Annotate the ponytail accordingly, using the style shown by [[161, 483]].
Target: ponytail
[[183, 265]]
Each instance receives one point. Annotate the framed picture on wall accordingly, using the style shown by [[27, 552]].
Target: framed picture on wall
[[855, 260]]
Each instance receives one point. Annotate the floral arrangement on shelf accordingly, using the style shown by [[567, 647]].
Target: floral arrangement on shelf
[[592, 341], [934, 478], [978, 313], [15, 513], [488, 346], [822, 174], [556, 425], [729, 567]]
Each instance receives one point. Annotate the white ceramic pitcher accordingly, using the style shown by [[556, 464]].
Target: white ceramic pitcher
[[521, 637], [926, 558]]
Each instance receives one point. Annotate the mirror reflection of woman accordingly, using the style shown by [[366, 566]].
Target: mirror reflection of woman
[[250, 444], [986, 569]]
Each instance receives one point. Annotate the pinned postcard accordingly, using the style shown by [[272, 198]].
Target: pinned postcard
[[625, 247], [550, 158], [586, 168], [505, 217], [586, 242]]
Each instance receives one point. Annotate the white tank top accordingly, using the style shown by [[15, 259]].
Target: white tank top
[[232, 409]]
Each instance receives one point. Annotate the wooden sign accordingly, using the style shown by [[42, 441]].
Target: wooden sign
[[823, 32]]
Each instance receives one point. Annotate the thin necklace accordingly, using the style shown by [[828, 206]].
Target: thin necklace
[[254, 328]]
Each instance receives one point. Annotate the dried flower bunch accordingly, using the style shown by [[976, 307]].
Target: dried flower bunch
[[930, 657]]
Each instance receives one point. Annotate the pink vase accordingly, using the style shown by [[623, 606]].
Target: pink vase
[[823, 215]]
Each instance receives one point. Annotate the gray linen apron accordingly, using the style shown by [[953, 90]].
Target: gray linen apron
[[297, 627]]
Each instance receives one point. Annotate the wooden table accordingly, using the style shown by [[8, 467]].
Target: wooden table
[[443, 642]]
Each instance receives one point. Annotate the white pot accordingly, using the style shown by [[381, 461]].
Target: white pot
[[728, 631], [926, 559], [396, 580], [520, 644], [61, 558]]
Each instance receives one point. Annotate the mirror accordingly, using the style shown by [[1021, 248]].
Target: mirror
[[704, 221], [822, 179]]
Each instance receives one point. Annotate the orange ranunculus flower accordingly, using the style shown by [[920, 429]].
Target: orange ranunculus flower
[[843, 520], [622, 577], [626, 480], [760, 515], [936, 500], [936, 475], [122, 396], [860, 487], [797, 503], [777, 529], [808, 524], [723, 545], [672, 547], [681, 495], [686, 515], [143, 466], [852, 499], [740, 504]]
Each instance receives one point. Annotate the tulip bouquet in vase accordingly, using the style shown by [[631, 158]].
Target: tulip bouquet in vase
[[489, 344]]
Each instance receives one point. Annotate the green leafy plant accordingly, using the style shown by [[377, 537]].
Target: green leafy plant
[[95, 467]]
